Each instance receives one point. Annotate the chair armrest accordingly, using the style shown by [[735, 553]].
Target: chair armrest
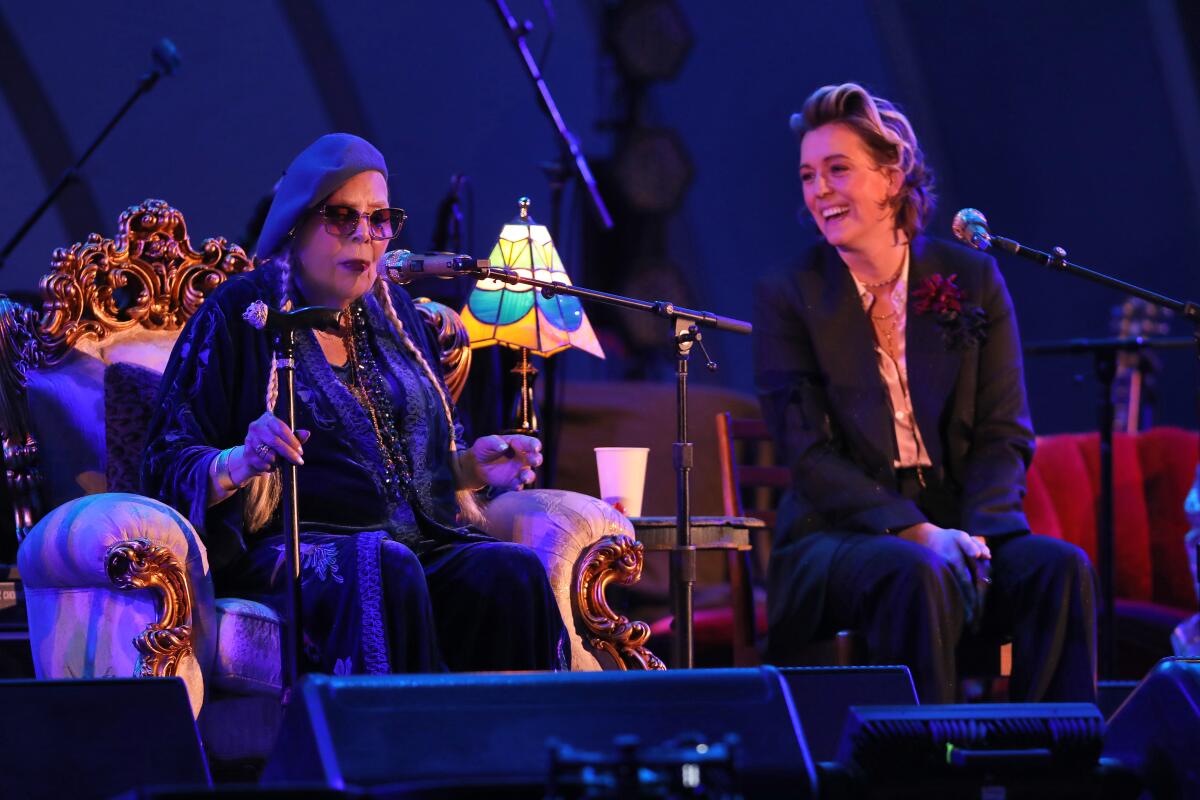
[[585, 545], [101, 552]]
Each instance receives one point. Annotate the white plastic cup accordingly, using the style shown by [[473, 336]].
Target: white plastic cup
[[622, 472]]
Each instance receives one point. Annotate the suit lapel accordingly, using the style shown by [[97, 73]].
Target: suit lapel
[[846, 347], [932, 367]]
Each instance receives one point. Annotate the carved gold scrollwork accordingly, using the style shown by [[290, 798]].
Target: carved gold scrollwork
[[613, 558], [149, 275], [453, 342], [18, 353], [140, 564]]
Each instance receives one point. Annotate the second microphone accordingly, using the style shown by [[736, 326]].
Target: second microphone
[[405, 266]]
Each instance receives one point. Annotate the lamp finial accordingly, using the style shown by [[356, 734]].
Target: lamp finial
[[524, 202]]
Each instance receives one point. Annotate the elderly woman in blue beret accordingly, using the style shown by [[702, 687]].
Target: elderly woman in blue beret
[[393, 579]]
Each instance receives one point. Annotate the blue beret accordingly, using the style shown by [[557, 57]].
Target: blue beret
[[315, 174]]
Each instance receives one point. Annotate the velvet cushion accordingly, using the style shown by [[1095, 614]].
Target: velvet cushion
[[66, 403], [1068, 466], [67, 406], [1168, 457], [1143, 635], [711, 627], [1039, 506], [129, 400], [1061, 469], [1153, 473], [1131, 522], [248, 648]]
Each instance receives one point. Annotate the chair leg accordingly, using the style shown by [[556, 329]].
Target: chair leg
[[849, 647], [745, 650], [613, 558]]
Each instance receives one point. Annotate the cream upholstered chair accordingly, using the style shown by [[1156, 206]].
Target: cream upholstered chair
[[118, 584]]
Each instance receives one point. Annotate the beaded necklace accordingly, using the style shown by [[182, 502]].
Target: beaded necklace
[[368, 386]]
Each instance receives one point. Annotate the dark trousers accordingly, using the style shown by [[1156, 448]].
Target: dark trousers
[[906, 601], [494, 609]]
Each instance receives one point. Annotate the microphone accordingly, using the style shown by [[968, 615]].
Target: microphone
[[970, 227], [323, 318], [404, 266], [166, 57]]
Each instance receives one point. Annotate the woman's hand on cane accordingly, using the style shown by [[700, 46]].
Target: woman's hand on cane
[[267, 440]]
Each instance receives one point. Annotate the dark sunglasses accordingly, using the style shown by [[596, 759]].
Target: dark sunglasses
[[382, 223]]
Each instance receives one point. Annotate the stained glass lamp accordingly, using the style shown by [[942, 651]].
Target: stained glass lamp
[[521, 317]]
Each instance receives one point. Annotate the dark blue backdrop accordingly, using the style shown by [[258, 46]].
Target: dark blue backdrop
[[1069, 123]]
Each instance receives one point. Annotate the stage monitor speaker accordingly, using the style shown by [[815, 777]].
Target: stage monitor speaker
[[1156, 731], [389, 731], [1012, 750], [823, 697], [96, 738]]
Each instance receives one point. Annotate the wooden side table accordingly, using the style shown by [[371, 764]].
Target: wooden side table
[[731, 534]]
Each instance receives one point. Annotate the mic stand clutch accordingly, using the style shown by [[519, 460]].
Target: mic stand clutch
[[685, 332], [971, 227]]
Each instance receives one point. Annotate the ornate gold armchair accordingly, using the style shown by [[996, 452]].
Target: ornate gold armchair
[[117, 583]]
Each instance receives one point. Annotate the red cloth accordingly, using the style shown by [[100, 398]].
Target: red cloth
[[1059, 468], [1168, 457], [1153, 472]]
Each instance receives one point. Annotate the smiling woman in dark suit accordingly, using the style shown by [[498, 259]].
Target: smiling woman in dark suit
[[889, 369]]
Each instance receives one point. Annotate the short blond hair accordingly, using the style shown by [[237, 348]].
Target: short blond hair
[[889, 139]]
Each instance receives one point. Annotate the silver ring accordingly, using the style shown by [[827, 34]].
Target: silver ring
[[264, 451]]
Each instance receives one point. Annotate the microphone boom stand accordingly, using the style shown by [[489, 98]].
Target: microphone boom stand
[[1056, 260], [556, 172], [685, 327], [517, 33], [166, 61]]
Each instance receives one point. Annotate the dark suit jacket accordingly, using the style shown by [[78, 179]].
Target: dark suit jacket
[[827, 407]]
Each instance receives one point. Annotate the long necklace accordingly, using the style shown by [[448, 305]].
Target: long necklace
[[368, 386], [887, 332], [886, 325]]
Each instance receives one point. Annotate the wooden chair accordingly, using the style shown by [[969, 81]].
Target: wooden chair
[[750, 472]]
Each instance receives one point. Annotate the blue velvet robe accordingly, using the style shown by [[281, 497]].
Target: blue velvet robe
[[367, 606]]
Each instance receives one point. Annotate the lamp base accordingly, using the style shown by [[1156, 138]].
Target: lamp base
[[524, 415]]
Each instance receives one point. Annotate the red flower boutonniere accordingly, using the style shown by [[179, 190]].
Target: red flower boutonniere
[[962, 325]]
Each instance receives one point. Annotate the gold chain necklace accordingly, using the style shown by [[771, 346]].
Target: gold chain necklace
[[895, 277]]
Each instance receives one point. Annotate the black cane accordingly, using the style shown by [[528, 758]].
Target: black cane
[[285, 324]]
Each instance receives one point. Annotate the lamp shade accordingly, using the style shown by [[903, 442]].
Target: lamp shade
[[520, 316]]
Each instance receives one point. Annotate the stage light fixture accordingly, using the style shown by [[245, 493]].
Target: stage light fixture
[[651, 39], [653, 170]]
